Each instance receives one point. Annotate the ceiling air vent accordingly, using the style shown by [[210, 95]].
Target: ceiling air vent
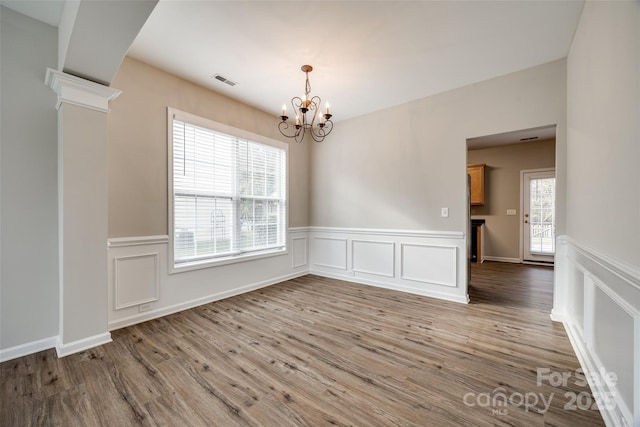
[[528, 139], [224, 80]]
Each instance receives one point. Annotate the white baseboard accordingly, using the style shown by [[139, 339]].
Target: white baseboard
[[154, 314], [80, 345], [543, 264], [27, 348], [593, 369], [501, 259], [395, 287], [557, 316]]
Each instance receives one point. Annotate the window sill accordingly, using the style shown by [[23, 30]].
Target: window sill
[[217, 262]]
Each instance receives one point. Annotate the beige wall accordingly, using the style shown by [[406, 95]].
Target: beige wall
[[395, 169], [501, 233], [603, 146], [137, 146]]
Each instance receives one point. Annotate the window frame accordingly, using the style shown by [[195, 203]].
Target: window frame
[[208, 262]]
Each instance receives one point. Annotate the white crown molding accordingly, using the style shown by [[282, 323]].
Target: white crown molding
[[77, 91]]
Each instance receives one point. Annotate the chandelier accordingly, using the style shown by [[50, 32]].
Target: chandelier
[[308, 115]]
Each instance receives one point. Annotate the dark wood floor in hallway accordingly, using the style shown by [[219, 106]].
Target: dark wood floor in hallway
[[315, 351]]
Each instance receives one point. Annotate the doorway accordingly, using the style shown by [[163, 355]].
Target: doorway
[[538, 189], [504, 157]]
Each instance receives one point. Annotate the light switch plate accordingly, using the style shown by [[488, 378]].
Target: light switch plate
[[511, 211], [444, 212]]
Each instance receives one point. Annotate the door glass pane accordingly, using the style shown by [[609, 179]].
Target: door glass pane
[[542, 230]]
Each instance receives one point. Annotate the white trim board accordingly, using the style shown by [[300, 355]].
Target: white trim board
[[81, 345], [406, 289], [118, 242], [501, 259], [27, 348], [389, 232]]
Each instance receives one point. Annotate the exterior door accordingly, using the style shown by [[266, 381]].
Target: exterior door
[[538, 216]]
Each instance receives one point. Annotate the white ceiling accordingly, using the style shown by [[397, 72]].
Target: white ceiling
[[367, 55], [542, 133]]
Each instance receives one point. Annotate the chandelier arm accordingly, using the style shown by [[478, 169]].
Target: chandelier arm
[[296, 106], [282, 127], [298, 133], [315, 106], [318, 133], [299, 136], [317, 138], [328, 127], [316, 101]]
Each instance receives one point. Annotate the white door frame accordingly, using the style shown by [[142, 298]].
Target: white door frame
[[521, 229]]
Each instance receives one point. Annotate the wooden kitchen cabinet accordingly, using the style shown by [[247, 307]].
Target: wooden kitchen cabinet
[[477, 183]]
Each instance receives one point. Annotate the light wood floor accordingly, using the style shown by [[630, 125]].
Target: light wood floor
[[314, 352]]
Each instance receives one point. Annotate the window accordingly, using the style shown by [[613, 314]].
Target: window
[[227, 193]]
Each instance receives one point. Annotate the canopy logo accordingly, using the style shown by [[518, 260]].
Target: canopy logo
[[500, 400]]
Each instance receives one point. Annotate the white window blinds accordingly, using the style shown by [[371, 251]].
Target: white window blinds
[[229, 194]]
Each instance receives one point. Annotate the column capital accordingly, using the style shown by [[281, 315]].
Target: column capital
[[77, 91]]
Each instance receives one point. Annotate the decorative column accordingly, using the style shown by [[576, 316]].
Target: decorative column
[[82, 210]]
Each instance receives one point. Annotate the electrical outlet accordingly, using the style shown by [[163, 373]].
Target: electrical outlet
[[144, 307], [511, 212], [444, 212]]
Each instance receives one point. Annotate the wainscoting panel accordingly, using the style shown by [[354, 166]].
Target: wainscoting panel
[[136, 279], [429, 264], [330, 252], [373, 257], [598, 300], [141, 288], [422, 262], [299, 247]]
